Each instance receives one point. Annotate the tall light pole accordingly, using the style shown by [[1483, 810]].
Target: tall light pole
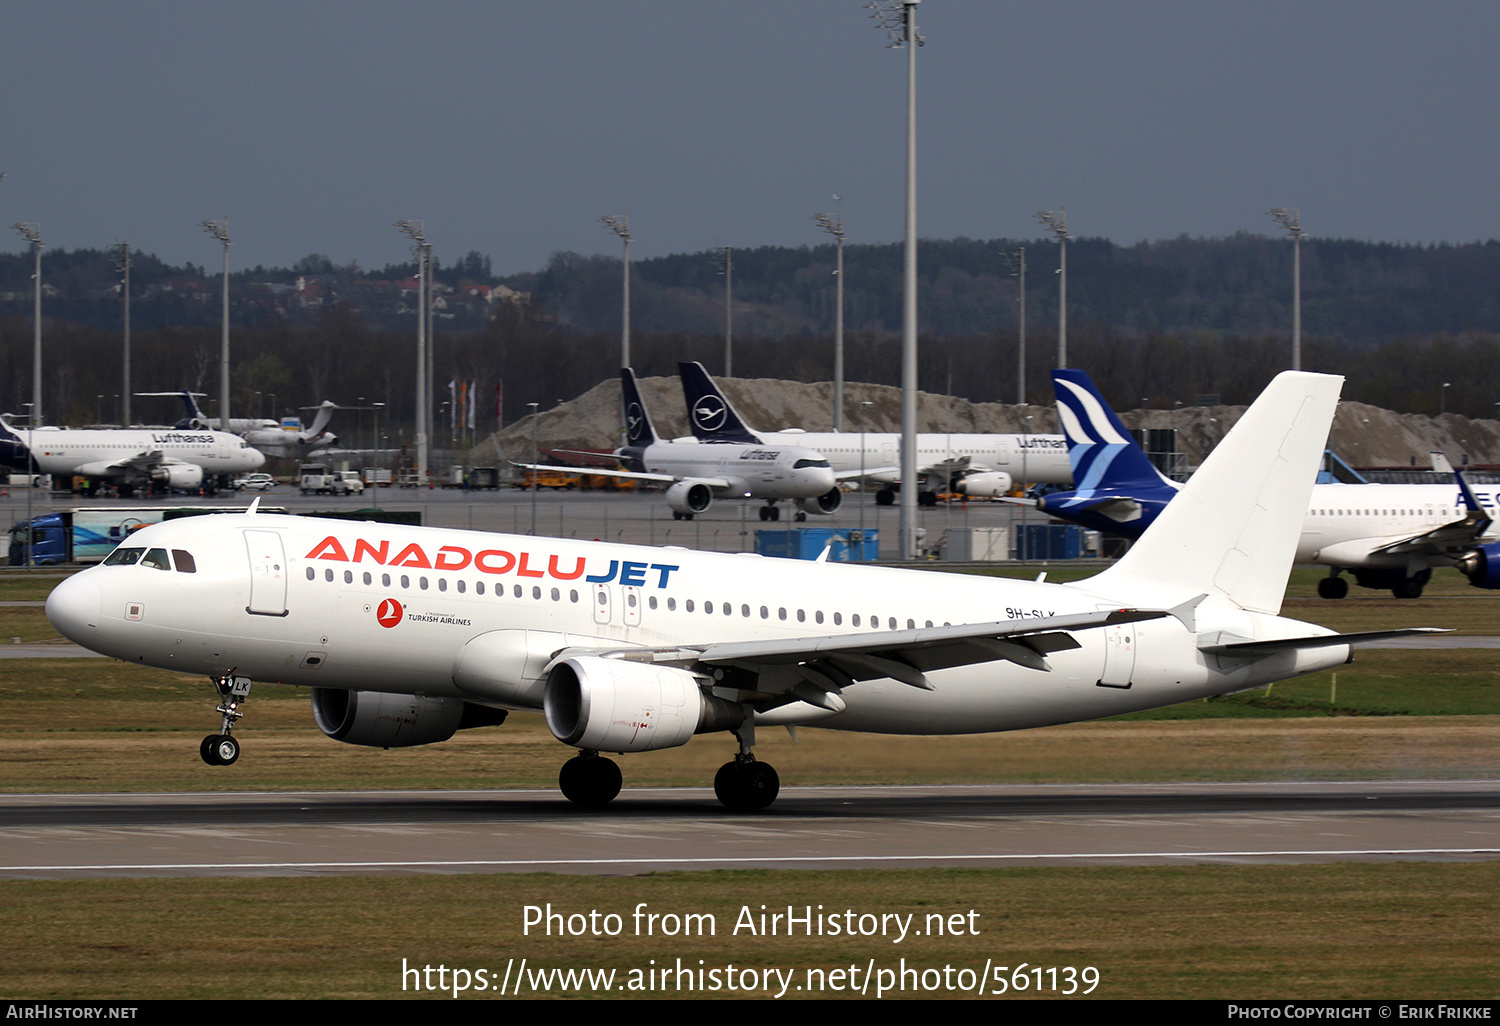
[[220, 231], [1056, 221], [833, 224], [899, 19], [414, 230], [1018, 269], [1290, 219], [536, 485], [122, 264], [726, 268], [32, 233], [620, 226]]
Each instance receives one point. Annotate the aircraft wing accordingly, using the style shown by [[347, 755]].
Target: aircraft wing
[[815, 669], [854, 475], [141, 464], [717, 483], [1451, 537]]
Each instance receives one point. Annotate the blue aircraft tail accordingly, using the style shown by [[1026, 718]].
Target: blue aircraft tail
[[1100, 448], [638, 430], [710, 414]]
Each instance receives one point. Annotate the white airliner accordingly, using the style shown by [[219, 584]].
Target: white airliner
[[288, 440], [1384, 535], [133, 457], [407, 634], [976, 464], [697, 472]]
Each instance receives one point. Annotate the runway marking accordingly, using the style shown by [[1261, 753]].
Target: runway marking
[[658, 862]]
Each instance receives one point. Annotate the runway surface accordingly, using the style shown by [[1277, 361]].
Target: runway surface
[[645, 830]]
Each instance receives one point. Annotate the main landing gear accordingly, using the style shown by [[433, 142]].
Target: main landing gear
[[743, 784], [769, 511], [222, 749]]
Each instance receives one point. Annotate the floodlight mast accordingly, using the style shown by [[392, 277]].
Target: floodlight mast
[[899, 19], [833, 224], [620, 226], [32, 233], [726, 268], [414, 230], [1018, 270], [1290, 218], [122, 264], [1056, 221], [220, 231]]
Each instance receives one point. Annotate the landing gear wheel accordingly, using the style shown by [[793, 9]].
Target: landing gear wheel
[[746, 786], [885, 498], [765, 513], [1408, 589], [801, 517], [927, 499], [1333, 588], [226, 750], [589, 781], [206, 749]]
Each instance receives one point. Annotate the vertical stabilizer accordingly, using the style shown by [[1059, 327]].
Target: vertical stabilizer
[[1100, 447], [1233, 529], [710, 414], [325, 414], [638, 429]]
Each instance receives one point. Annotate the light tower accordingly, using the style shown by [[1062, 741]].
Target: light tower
[[833, 224], [726, 268], [1057, 222], [620, 226], [414, 230], [32, 233], [899, 19], [122, 264], [1290, 219], [220, 231], [1018, 269]]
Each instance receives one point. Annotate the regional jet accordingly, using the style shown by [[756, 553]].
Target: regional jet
[[408, 634]]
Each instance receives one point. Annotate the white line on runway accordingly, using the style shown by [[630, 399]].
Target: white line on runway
[[796, 859]]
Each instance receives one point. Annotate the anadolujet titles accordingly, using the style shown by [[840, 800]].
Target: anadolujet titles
[[406, 635]]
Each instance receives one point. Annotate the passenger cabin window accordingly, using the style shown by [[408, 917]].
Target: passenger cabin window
[[184, 561], [123, 557], [156, 559]]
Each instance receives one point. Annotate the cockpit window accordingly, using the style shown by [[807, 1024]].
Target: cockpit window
[[156, 559], [810, 463], [123, 556], [184, 561]]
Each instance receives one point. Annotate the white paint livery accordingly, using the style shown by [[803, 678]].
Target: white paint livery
[[407, 634]]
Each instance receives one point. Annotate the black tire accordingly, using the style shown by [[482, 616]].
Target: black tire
[[728, 787], [746, 787], [206, 749], [590, 782], [885, 498], [1411, 588], [1333, 588]]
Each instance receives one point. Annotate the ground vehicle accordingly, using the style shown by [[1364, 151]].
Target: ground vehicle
[[255, 483], [547, 479], [318, 479]]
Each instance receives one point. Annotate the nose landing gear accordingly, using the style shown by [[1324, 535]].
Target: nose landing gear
[[222, 749]]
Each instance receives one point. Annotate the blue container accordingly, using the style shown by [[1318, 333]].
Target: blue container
[[849, 546], [1049, 541]]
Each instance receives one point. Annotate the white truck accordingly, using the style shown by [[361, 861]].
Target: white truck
[[316, 479]]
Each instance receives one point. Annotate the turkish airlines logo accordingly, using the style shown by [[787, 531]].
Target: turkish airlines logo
[[710, 413], [389, 613]]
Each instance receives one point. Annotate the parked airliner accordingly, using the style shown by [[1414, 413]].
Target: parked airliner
[[976, 464], [695, 473], [134, 457], [269, 436], [408, 634], [1385, 535]]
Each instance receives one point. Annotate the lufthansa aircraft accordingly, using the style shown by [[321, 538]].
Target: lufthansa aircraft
[[977, 465], [408, 634], [133, 457], [1384, 535], [696, 472]]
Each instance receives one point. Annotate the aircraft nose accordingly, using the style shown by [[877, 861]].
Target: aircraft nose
[[258, 460], [73, 608]]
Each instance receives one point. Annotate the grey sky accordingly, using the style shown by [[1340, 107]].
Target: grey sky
[[511, 126]]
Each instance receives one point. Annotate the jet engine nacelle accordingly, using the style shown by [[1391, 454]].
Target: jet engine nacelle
[[615, 705], [990, 484], [689, 497], [1481, 565], [824, 504], [178, 475], [381, 720]]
